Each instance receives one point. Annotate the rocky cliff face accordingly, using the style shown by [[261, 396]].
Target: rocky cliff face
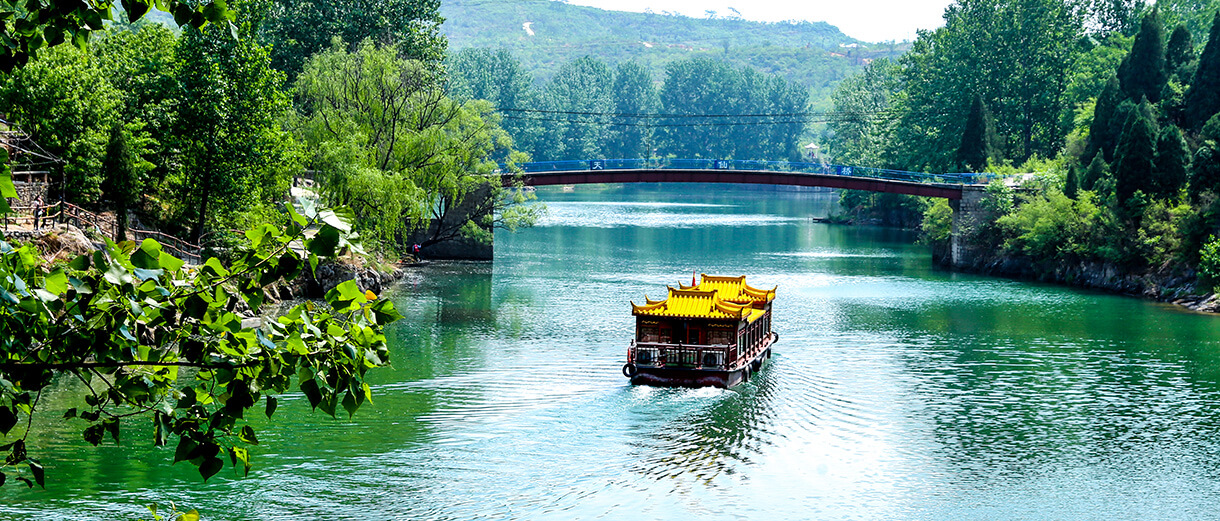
[[1169, 285]]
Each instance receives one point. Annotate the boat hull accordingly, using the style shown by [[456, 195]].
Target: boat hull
[[680, 377]]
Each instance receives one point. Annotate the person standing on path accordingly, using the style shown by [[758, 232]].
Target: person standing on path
[[37, 210]]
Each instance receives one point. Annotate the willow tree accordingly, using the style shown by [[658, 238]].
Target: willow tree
[[404, 156]]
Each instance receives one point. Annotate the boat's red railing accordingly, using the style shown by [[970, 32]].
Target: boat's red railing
[[717, 357]]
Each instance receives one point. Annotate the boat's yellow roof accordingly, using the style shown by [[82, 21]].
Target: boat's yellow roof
[[694, 303], [734, 289]]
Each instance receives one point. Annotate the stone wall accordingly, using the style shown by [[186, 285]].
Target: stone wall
[[28, 191]]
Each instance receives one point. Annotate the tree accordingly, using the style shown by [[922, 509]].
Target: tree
[[236, 160], [498, 77], [858, 136], [1134, 158], [634, 94], [583, 89], [30, 26], [122, 168], [1205, 171], [66, 103], [978, 138], [1203, 98], [1180, 51], [298, 29], [1096, 171], [1172, 162], [1104, 131], [1142, 72], [148, 338], [977, 51], [390, 143], [697, 91], [1071, 185]]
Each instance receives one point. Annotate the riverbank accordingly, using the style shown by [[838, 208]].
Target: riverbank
[[1175, 286]]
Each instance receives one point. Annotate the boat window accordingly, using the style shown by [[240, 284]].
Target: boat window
[[716, 337], [665, 336], [692, 336], [649, 334]]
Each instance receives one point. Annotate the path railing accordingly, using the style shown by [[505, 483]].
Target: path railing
[[68, 213], [753, 166]]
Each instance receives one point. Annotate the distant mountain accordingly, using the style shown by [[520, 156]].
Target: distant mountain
[[545, 34]]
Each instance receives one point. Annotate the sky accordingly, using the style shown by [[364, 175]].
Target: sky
[[867, 20]]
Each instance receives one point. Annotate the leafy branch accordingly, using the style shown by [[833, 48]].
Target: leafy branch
[[125, 320]]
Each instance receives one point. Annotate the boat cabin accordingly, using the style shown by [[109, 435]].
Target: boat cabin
[[720, 324]]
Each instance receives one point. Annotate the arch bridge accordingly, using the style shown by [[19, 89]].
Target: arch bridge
[[965, 192]]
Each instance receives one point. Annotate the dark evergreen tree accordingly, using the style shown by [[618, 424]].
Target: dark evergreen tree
[[1096, 171], [119, 184], [1142, 71], [978, 138], [1102, 135], [1134, 159], [1180, 50], [1071, 185], [1205, 170], [1203, 98], [1172, 162]]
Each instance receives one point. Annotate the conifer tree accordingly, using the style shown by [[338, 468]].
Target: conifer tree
[[1205, 170], [1180, 50], [1071, 185], [1203, 98], [1142, 71], [1172, 162], [978, 138], [1101, 135], [120, 172], [1134, 158], [1097, 170]]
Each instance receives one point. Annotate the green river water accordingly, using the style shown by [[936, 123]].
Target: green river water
[[897, 391]]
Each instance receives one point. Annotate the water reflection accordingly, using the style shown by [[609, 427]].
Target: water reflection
[[725, 430]]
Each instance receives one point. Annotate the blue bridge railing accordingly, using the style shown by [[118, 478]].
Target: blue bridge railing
[[749, 165]]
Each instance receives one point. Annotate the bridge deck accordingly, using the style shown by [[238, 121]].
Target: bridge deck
[[673, 175]]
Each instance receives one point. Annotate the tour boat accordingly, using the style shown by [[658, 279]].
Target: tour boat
[[715, 333]]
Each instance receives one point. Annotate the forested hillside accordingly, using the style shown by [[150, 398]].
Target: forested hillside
[[814, 54]]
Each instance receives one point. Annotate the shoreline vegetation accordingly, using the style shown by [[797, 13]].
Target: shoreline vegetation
[[1103, 136]]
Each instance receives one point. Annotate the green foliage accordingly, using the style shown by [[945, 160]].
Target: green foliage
[[1097, 170], [1205, 171], [298, 29], [1053, 226], [1022, 84], [633, 93], [937, 226], [1203, 98], [122, 169], [1172, 163], [405, 157], [1142, 72], [146, 336], [63, 100], [236, 160], [27, 27], [1209, 259], [1179, 52], [1071, 185], [1134, 157], [857, 138], [1103, 136], [702, 87], [809, 54], [978, 138]]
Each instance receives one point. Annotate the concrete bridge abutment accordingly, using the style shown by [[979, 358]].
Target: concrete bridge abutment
[[969, 215]]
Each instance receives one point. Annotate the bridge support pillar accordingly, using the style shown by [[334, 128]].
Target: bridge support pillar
[[969, 215]]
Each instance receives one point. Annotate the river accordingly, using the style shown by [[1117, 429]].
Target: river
[[897, 391]]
